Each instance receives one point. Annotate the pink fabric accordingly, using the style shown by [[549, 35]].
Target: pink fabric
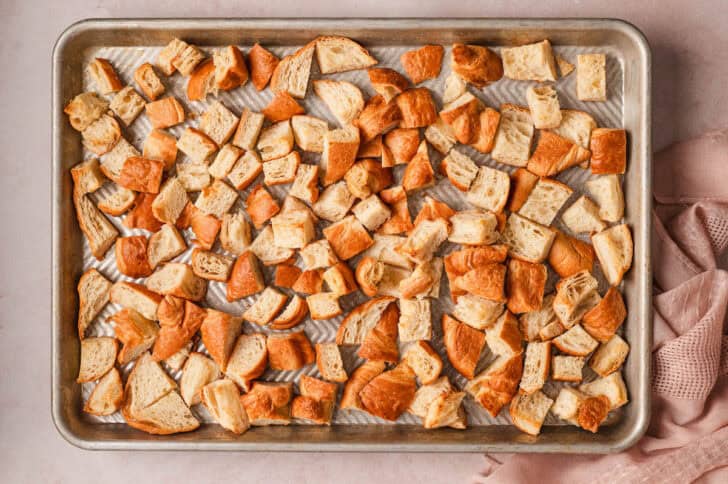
[[687, 440]]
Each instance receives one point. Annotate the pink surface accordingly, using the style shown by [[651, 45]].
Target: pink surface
[[690, 66]]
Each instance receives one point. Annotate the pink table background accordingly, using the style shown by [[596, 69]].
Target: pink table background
[[690, 58]]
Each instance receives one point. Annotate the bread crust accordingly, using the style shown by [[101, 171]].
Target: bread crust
[[105, 76], [554, 154], [93, 294], [141, 174], [463, 116], [389, 394], [230, 68], [377, 117], [261, 206], [570, 255], [463, 345], [423, 63], [417, 108], [380, 343], [487, 280], [348, 237], [488, 121], [165, 113], [245, 278], [387, 82], [608, 151], [262, 64], [162, 146], [179, 320], [526, 283], [357, 381], [349, 54], [294, 313], [200, 83], [433, 209], [603, 320], [268, 403], [419, 173], [111, 399], [367, 177], [400, 221], [369, 273], [131, 256], [135, 332], [340, 279], [592, 412], [282, 107], [148, 81], [498, 384], [289, 351], [219, 332], [309, 282], [476, 64], [522, 183]]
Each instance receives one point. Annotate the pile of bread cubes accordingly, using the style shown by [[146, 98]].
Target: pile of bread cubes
[[497, 273]]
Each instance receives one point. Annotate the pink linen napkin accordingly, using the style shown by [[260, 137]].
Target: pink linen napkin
[[687, 440]]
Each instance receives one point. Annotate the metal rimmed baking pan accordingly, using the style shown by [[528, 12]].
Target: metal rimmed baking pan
[[129, 41]]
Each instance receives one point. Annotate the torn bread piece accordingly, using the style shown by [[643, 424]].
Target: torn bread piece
[[446, 411], [545, 200], [248, 359], [340, 54], [84, 109], [340, 279], [177, 279], [543, 103], [567, 368], [219, 332], [162, 146], [210, 265], [265, 249], [371, 212], [165, 113], [387, 82], [222, 400], [293, 314], [170, 201], [614, 249], [246, 278], [607, 193], [504, 337], [194, 177], [609, 151], [292, 72], [487, 281], [93, 294], [463, 116], [261, 206], [265, 307], [591, 77], [366, 177], [181, 56], [377, 117], [455, 87], [135, 296], [293, 230], [554, 154], [131, 256], [400, 221], [489, 190], [369, 274], [423, 63], [104, 75], [358, 380], [424, 361], [415, 320], [582, 216], [344, 99], [424, 240], [179, 320], [282, 107], [389, 394], [289, 351], [419, 173], [135, 333], [527, 240], [217, 199], [535, 366], [463, 345], [107, 396], [522, 183], [399, 146], [97, 358], [334, 202], [318, 255], [417, 108], [230, 68], [565, 67], [198, 371], [218, 123], [99, 231], [569, 255], [512, 144], [476, 64], [262, 65], [575, 342], [612, 387], [576, 126], [496, 386], [361, 320], [427, 394], [434, 209], [202, 81], [113, 161], [308, 132], [460, 169], [196, 145], [248, 130], [245, 170], [603, 320], [477, 311], [424, 281], [575, 295], [101, 136], [324, 305], [141, 175], [224, 161], [148, 81], [339, 153], [489, 121], [87, 176], [532, 62], [305, 184], [127, 105], [268, 403], [281, 171], [329, 363], [309, 282], [348, 237], [533, 322], [610, 356], [275, 141], [528, 411], [384, 250], [525, 285], [441, 136], [316, 402]]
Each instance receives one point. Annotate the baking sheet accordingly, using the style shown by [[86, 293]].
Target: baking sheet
[[127, 59]]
